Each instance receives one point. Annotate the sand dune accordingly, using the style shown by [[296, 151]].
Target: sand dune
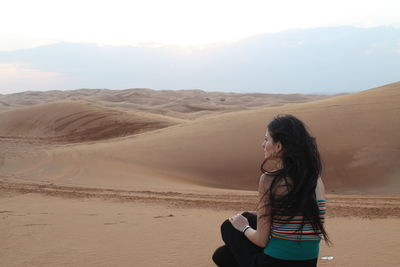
[[186, 104], [355, 132], [76, 121]]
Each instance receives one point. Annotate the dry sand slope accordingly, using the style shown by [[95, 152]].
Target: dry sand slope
[[76, 121], [358, 136]]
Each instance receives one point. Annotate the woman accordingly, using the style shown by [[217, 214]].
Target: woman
[[288, 224]]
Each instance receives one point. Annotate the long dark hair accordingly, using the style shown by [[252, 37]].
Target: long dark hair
[[302, 165]]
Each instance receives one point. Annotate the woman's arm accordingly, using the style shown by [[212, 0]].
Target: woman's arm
[[261, 235]]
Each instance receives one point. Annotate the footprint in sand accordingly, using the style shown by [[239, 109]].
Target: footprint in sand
[[111, 223], [163, 216]]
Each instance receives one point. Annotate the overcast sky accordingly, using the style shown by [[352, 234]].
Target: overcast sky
[[191, 25], [27, 23]]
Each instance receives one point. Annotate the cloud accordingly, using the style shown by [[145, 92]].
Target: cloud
[[383, 47], [19, 76], [177, 22]]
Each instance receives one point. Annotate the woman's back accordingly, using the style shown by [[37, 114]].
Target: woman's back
[[294, 238]]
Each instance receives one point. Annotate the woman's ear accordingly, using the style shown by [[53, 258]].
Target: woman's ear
[[278, 148]]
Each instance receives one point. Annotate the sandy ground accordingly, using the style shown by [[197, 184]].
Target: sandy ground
[[44, 226]]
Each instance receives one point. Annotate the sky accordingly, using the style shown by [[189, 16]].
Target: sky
[[185, 23], [189, 25]]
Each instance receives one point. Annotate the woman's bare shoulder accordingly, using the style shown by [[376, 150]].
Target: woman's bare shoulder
[[280, 188], [264, 183]]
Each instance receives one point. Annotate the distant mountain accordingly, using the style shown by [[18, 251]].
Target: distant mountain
[[321, 60]]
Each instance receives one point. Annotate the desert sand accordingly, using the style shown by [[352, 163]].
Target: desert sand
[[84, 182]]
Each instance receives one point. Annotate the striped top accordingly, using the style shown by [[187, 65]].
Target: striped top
[[285, 228], [286, 244]]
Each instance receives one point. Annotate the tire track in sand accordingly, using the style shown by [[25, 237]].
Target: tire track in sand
[[338, 205]]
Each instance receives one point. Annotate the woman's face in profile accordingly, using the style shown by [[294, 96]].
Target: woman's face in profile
[[270, 149]]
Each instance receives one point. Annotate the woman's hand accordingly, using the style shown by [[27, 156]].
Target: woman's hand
[[239, 222]]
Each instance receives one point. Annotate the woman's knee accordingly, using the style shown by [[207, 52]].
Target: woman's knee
[[252, 218], [226, 227], [227, 230], [247, 214]]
